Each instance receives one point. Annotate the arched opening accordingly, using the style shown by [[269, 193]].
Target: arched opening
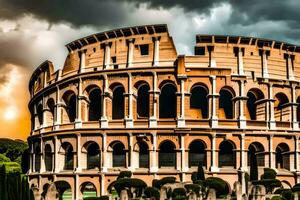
[[95, 104], [118, 102], [143, 101], [253, 96], [51, 107], [93, 156], [199, 102], [70, 102], [64, 190], [37, 158], [40, 114], [256, 151], [143, 155], [88, 190], [48, 157], [282, 112], [119, 155], [168, 101], [226, 154], [298, 109], [197, 154], [68, 156], [282, 156], [226, 104], [167, 154]]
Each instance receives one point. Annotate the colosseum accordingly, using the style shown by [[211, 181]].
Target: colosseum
[[125, 100]]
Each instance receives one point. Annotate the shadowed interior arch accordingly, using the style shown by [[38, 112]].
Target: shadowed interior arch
[[282, 156], [197, 154], [167, 101], [70, 102], [93, 156], [118, 110], [48, 157], [225, 103], [143, 155], [256, 151], [68, 156], [253, 96], [95, 104], [119, 155], [143, 101], [198, 101], [167, 154], [226, 154]]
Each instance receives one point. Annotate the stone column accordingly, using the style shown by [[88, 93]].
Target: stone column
[[297, 153], [76, 188], [102, 185], [131, 157], [130, 44], [78, 146], [153, 118], [45, 80], [295, 123], [107, 55], [154, 160], [213, 103], [156, 51], [271, 118], [243, 162], [212, 63], [103, 119], [57, 110], [272, 160], [184, 168], [43, 168], [129, 118], [240, 105], [104, 153], [31, 164], [264, 61], [214, 167], [82, 60], [181, 117], [78, 121], [56, 159], [289, 66], [239, 53]]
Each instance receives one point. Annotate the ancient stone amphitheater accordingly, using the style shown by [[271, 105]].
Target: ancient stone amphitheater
[[125, 100]]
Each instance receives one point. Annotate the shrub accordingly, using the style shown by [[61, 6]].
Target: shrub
[[3, 158], [179, 198], [269, 174], [269, 184], [123, 183], [296, 188], [200, 172], [159, 183], [193, 187], [105, 197], [125, 174], [218, 184], [152, 192], [178, 192], [277, 198]]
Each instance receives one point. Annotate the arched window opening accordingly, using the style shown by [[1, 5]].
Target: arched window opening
[[253, 96], [143, 101], [282, 112], [70, 101], [93, 156], [226, 104], [168, 101], [95, 104], [118, 103], [256, 151], [143, 155], [298, 109], [199, 102], [40, 114], [64, 190], [197, 154], [119, 155], [226, 154], [69, 156], [37, 161], [88, 190], [51, 107], [282, 156], [167, 154], [48, 158]]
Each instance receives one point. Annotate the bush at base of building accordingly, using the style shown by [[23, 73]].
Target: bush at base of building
[[105, 197], [152, 193], [268, 180], [218, 184], [159, 183]]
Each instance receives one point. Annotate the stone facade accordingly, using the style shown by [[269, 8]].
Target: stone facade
[[124, 100]]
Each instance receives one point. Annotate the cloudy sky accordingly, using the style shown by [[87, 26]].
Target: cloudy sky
[[32, 31]]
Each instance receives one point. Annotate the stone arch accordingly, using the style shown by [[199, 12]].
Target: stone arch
[[64, 189], [50, 111], [199, 101], [143, 99], [226, 105], [168, 100], [256, 151], [40, 111], [67, 150], [91, 155], [48, 157], [282, 156], [117, 148], [298, 109], [227, 157], [197, 153], [282, 112], [143, 154], [253, 102], [118, 101], [286, 185], [94, 95], [88, 189], [167, 154], [70, 100], [37, 158]]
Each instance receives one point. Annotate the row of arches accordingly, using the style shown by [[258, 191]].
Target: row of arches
[[167, 155], [199, 103]]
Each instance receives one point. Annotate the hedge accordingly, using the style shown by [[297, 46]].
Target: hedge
[[123, 183], [193, 187], [152, 192], [159, 183], [125, 174], [269, 174], [296, 188], [178, 192], [105, 197], [218, 184]]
